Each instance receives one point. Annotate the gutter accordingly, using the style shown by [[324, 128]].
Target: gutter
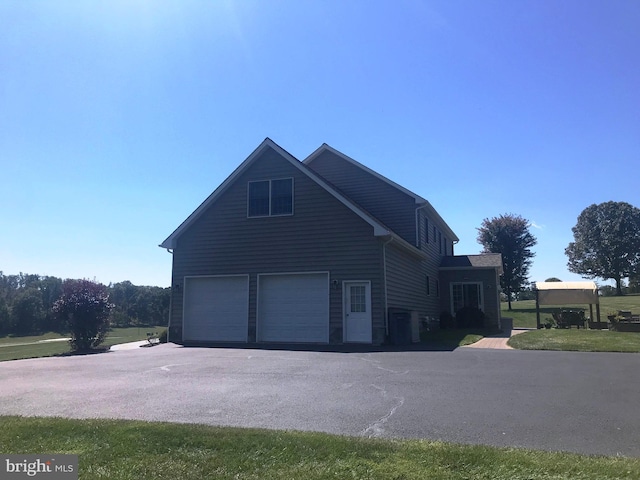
[[384, 281], [170, 250]]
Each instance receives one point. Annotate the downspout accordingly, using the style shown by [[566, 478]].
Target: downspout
[[417, 224], [170, 300], [384, 279]]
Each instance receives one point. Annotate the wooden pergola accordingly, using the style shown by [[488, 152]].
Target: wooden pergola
[[567, 293]]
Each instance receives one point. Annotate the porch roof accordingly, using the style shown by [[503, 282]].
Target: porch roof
[[483, 260]]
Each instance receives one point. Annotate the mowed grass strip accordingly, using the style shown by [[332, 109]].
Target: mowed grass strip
[[16, 348], [450, 339], [115, 449], [577, 340]]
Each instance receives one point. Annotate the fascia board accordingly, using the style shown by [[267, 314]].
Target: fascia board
[[378, 229], [417, 198], [267, 142]]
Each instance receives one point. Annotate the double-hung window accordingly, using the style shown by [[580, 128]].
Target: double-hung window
[[269, 198]]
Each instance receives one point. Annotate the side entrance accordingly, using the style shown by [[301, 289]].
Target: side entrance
[[357, 312]]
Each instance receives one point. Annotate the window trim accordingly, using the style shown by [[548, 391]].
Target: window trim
[[271, 180], [426, 224], [479, 284]]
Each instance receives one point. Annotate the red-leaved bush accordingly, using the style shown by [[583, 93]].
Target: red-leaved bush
[[83, 308]]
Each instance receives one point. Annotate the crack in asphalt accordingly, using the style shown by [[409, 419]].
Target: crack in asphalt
[[376, 428], [376, 364]]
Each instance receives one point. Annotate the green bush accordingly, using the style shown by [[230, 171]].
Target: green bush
[[470, 317], [447, 321], [163, 336]]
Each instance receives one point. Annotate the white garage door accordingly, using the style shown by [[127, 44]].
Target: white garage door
[[293, 308], [216, 309]]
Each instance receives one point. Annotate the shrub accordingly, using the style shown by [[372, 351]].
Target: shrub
[[163, 336], [470, 317], [447, 321], [84, 309]]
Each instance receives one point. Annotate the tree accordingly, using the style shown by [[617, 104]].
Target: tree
[[553, 279], [509, 235], [606, 242], [84, 308], [28, 313]]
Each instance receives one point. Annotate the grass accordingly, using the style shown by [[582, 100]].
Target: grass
[[577, 340], [524, 312], [15, 348], [450, 339], [118, 449]]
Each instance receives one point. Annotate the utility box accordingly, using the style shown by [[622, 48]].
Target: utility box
[[399, 326]]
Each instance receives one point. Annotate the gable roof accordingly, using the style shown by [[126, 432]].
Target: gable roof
[[483, 260], [419, 201], [379, 229]]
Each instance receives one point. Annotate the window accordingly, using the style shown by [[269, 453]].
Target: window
[[358, 299], [270, 198], [437, 288], [440, 242], [466, 295], [428, 285], [426, 230]]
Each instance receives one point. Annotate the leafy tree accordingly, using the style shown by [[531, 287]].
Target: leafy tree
[[509, 235], [84, 308], [28, 313], [606, 242], [553, 279]]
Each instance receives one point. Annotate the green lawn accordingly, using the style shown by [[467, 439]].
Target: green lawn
[[450, 339], [14, 348], [115, 449], [577, 340], [524, 312]]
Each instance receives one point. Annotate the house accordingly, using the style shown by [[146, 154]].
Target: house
[[320, 251]]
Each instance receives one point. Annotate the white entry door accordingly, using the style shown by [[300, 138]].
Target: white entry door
[[357, 312]]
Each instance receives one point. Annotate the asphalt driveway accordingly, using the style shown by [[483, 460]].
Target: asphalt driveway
[[580, 402]]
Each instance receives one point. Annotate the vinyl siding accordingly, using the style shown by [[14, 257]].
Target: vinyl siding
[[385, 202], [406, 283], [321, 235]]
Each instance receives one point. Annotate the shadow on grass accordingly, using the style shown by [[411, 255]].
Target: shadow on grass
[[78, 353]]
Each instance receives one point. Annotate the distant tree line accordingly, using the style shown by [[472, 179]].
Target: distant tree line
[[26, 304]]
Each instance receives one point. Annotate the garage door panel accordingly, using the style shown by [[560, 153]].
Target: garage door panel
[[216, 309], [293, 308]]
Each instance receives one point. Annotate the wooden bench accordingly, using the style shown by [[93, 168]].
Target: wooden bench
[[568, 318]]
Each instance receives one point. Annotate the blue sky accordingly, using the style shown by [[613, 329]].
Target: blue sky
[[117, 119]]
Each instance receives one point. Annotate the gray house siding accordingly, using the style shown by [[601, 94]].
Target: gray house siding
[[322, 235], [407, 278], [385, 202], [490, 292]]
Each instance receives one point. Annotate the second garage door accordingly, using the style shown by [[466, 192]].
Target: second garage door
[[293, 308]]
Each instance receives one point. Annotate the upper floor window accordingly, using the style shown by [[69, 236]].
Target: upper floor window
[[270, 198], [426, 230]]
